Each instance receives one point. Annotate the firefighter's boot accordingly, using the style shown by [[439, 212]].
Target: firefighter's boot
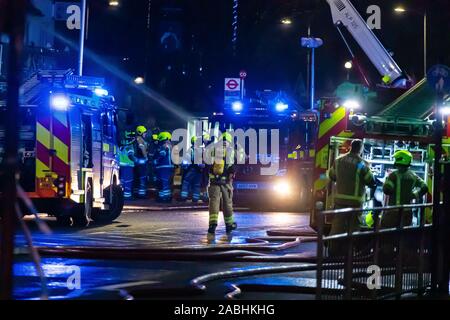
[[231, 227], [212, 229]]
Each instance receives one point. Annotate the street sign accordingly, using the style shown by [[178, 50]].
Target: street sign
[[232, 84], [438, 78], [311, 42], [243, 74], [232, 89]]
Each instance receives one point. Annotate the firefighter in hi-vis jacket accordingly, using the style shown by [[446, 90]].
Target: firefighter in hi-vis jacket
[[221, 175]]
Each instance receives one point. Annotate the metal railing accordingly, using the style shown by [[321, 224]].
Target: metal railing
[[383, 262]]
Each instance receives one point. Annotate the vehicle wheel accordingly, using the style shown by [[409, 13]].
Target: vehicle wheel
[[115, 205], [82, 217]]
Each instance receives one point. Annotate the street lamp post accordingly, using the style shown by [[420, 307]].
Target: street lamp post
[[348, 66], [82, 34], [312, 43], [401, 10]]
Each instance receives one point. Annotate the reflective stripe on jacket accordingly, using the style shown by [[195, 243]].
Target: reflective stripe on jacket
[[403, 187], [126, 155], [163, 156], [351, 174]]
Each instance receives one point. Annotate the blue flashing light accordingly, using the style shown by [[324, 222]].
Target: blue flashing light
[[59, 102], [237, 106], [281, 106], [101, 92]]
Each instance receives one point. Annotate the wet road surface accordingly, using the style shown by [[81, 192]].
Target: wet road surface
[[143, 279]]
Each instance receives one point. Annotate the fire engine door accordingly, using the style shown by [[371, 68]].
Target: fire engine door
[[86, 144]]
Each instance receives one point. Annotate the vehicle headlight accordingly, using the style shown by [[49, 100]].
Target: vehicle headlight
[[282, 188]]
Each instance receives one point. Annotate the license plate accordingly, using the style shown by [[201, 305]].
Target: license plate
[[247, 186]]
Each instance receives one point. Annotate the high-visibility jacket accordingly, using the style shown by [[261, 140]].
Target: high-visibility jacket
[[163, 155], [126, 156], [351, 174], [223, 167], [403, 186]]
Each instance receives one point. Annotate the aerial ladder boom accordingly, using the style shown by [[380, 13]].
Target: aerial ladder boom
[[344, 13]]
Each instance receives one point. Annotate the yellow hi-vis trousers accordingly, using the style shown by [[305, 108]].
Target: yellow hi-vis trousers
[[217, 193]]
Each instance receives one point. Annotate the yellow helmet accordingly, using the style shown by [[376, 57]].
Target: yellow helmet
[[206, 136], [194, 139], [163, 136], [227, 137], [403, 158], [140, 130], [369, 219], [154, 136]]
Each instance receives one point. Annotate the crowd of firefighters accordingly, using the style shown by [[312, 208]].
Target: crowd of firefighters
[[146, 160]]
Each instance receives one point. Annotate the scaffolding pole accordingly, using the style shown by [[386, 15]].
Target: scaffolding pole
[[14, 27]]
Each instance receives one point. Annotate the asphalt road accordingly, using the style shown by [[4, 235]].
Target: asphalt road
[[148, 227]]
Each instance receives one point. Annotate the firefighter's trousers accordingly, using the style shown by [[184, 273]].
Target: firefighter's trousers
[[218, 193], [164, 178], [141, 172], [393, 219], [191, 183], [126, 179], [340, 225]]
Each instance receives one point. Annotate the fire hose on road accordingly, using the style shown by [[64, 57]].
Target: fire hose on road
[[231, 251]]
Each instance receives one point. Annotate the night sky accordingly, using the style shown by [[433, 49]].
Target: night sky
[[192, 76]]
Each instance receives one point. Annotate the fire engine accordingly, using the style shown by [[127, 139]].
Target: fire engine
[[405, 123], [68, 147], [289, 188], [383, 134]]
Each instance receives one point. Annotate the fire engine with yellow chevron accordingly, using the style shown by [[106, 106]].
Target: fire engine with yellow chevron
[[404, 124], [68, 147]]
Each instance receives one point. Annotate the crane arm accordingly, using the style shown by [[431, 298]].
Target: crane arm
[[344, 13]]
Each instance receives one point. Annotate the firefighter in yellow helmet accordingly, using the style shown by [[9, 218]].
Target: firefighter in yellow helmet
[[141, 160], [352, 174], [164, 167], [221, 175], [402, 186]]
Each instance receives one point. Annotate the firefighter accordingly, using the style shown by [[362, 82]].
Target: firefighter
[[127, 160], [402, 186], [164, 168], [192, 174], [351, 174], [141, 156], [221, 175]]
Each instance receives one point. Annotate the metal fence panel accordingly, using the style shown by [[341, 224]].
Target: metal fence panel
[[378, 263]]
